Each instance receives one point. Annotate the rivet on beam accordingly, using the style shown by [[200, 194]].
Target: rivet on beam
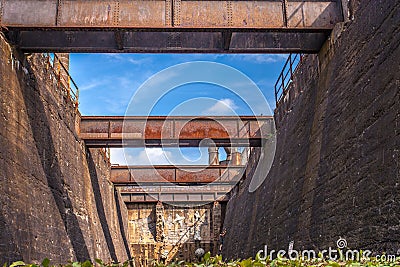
[[168, 13], [58, 12], [176, 13]]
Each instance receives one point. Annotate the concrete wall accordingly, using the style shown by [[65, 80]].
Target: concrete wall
[[183, 230], [55, 197], [337, 165]]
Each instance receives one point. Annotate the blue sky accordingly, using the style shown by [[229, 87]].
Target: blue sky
[[108, 82]]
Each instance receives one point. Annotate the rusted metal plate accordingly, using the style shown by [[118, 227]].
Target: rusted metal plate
[[87, 13], [277, 41], [158, 129], [206, 129], [192, 175], [171, 198], [157, 26], [120, 175], [131, 194], [176, 41], [175, 131], [191, 198], [175, 174], [186, 14], [151, 175], [113, 13], [317, 14], [153, 189], [257, 14], [162, 190], [144, 40], [193, 14], [29, 13], [127, 128]]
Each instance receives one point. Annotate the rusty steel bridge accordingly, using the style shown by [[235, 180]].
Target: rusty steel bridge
[[170, 26], [158, 131], [141, 184]]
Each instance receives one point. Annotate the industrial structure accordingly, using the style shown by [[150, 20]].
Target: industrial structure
[[52, 159]]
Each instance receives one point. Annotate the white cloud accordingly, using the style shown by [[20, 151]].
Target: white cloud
[[154, 156], [158, 156], [113, 56], [224, 106], [146, 156], [140, 61], [90, 85], [261, 58], [133, 59], [117, 156]]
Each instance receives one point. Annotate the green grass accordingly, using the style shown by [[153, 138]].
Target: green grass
[[208, 261]]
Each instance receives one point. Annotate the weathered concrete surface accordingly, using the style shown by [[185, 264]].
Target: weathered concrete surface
[[337, 165], [178, 230], [55, 197]]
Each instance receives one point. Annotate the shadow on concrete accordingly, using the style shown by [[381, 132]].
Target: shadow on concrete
[[100, 206], [44, 143], [121, 226], [151, 223], [8, 252]]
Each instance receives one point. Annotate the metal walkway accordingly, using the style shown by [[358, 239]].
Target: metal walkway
[[157, 131], [169, 26], [179, 175], [141, 184]]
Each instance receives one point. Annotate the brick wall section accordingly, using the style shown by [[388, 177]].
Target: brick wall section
[[55, 197], [337, 165]]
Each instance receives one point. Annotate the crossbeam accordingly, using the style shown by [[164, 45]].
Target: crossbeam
[[158, 131], [173, 184], [164, 174], [168, 26], [208, 193]]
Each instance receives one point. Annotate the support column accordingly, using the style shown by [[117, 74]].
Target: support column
[[236, 157], [213, 157], [233, 156]]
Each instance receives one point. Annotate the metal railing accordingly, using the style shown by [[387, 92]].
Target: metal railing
[[286, 76], [65, 83]]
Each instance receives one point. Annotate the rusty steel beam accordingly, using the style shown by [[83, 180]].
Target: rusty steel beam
[[175, 40], [175, 183], [175, 197], [206, 193], [188, 175], [158, 131], [169, 26]]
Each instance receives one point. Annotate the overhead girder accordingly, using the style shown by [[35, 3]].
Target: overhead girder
[[163, 26]]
